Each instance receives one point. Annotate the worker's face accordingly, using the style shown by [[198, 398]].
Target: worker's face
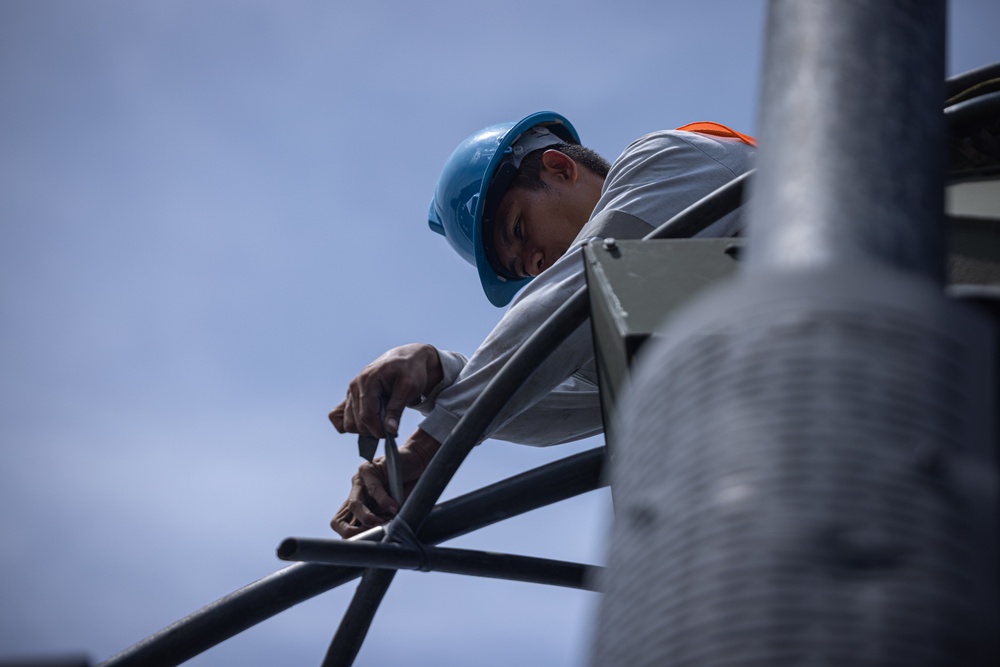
[[534, 228]]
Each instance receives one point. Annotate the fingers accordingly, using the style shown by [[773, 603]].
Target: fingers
[[344, 523], [337, 417], [402, 375], [401, 396], [358, 412], [368, 504], [374, 481], [368, 409]]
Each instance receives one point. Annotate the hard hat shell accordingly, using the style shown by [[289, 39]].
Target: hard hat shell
[[459, 201]]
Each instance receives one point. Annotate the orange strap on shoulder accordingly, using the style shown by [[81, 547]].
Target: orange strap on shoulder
[[718, 130]]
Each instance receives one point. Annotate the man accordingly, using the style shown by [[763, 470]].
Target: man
[[519, 201]]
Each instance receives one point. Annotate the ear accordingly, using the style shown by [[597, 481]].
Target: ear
[[560, 166]]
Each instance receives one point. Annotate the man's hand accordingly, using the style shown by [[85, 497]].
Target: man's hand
[[369, 503], [402, 375]]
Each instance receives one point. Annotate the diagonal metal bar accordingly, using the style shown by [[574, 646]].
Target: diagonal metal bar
[[438, 559], [699, 215], [281, 590], [357, 619], [477, 420]]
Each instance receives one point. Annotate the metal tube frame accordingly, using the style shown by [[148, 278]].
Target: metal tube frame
[[437, 559], [267, 597]]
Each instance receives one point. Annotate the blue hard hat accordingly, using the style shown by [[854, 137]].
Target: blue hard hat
[[460, 197]]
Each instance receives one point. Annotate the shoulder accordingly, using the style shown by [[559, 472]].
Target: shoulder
[[672, 158], [679, 148], [660, 174]]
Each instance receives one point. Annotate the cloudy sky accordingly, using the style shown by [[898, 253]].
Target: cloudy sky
[[212, 215]]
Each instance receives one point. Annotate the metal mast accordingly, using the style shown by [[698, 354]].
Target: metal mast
[[810, 475]]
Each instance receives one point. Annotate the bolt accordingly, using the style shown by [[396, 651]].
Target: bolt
[[610, 244]]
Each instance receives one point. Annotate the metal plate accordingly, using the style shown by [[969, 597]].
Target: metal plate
[[634, 285]]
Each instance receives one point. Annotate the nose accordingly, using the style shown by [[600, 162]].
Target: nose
[[533, 260]]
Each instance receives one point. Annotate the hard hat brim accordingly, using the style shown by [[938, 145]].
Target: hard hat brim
[[499, 290]]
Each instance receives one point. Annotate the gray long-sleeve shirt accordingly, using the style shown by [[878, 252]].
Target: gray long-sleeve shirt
[[656, 177]]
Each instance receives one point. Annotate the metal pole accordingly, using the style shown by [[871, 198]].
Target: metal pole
[[356, 621], [852, 153], [437, 559], [808, 474]]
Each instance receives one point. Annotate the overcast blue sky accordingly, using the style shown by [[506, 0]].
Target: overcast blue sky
[[212, 216]]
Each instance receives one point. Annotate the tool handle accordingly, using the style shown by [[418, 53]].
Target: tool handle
[[392, 461]]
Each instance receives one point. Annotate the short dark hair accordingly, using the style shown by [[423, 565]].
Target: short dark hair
[[529, 175]]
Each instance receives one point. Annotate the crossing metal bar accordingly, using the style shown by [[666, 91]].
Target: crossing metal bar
[[256, 602], [697, 217], [437, 559]]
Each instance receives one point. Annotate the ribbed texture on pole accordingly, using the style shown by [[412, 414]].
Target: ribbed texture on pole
[[807, 484]]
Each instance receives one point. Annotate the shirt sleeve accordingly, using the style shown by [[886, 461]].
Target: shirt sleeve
[[569, 412], [452, 364], [555, 404]]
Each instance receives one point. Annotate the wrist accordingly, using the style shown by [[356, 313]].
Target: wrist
[[435, 372], [423, 446]]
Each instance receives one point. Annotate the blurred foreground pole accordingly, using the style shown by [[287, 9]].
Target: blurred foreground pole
[[807, 473]]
